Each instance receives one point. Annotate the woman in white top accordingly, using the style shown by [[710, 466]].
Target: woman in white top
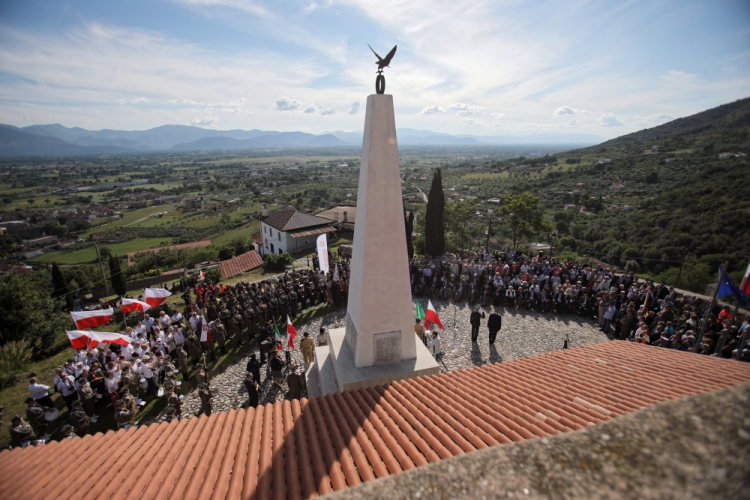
[[177, 318], [179, 337], [113, 385], [164, 320]]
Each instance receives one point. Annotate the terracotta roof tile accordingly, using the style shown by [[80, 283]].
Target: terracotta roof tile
[[289, 219], [240, 264], [313, 447]]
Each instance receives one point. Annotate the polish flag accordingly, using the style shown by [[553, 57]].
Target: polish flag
[[155, 296], [745, 286], [91, 319], [290, 332], [432, 316], [109, 338], [79, 339], [131, 305], [205, 332]]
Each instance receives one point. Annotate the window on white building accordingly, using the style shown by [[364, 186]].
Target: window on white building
[[279, 236]]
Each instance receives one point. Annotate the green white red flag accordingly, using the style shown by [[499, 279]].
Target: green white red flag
[[432, 316]]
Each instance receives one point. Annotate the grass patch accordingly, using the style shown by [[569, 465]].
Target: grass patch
[[88, 255]]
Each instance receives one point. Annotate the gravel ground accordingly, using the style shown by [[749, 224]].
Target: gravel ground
[[524, 333]]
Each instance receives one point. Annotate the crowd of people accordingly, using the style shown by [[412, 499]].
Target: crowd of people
[[173, 341], [622, 305]]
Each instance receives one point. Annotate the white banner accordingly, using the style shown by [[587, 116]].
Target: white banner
[[322, 244]]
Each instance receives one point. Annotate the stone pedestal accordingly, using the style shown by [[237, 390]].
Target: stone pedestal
[[378, 344]]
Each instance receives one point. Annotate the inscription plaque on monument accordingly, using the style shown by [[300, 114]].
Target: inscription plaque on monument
[[351, 334], [387, 347]]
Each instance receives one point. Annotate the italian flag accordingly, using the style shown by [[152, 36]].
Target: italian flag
[[290, 331], [745, 286], [432, 316], [277, 334], [131, 305], [420, 312], [155, 296], [91, 319]]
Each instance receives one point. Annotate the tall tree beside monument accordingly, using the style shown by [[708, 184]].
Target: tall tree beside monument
[[409, 220], [117, 278], [434, 225], [524, 216]]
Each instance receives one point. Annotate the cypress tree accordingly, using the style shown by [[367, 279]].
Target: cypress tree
[[59, 285], [434, 224], [117, 278], [409, 223]]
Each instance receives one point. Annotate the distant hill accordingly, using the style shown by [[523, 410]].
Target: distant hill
[[56, 139]]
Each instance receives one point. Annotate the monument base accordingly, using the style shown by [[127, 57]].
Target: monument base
[[334, 369]]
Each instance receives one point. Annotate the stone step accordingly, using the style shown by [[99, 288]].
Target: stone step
[[313, 380], [326, 371]]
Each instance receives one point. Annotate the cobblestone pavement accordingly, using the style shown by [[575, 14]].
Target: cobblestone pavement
[[524, 333]]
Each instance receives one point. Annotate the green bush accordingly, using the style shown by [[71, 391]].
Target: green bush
[[568, 256], [14, 358], [632, 266], [274, 262], [214, 275], [567, 242]]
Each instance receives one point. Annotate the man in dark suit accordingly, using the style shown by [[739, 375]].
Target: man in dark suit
[[494, 323], [475, 319]]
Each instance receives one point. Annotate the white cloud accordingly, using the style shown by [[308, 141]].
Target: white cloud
[[462, 109], [237, 103], [432, 109], [286, 104], [121, 100], [471, 122], [327, 111], [567, 110], [309, 108], [573, 122], [231, 111], [172, 101], [497, 115], [190, 102], [610, 120], [656, 118], [138, 100], [355, 108], [310, 8], [204, 121]]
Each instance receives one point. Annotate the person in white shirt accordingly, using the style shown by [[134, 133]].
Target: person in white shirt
[[113, 385], [179, 337], [140, 330], [147, 323], [127, 351], [67, 387], [177, 318], [137, 350], [164, 321], [436, 345], [40, 393]]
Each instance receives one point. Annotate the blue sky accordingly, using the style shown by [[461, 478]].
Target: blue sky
[[480, 67]]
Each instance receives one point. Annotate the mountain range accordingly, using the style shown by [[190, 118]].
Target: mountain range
[[57, 139]]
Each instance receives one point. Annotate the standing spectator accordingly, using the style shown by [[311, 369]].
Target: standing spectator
[[294, 382], [475, 320], [308, 347], [436, 345], [35, 415], [276, 366], [494, 323], [609, 315], [40, 392], [251, 385], [67, 387], [253, 367]]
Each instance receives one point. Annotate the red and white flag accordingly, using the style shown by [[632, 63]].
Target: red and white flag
[[91, 319], [205, 332], [745, 286], [432, 316], [290, 332], [109, 338], [79, 339], [155, 296], [646, 305], [130, 305]]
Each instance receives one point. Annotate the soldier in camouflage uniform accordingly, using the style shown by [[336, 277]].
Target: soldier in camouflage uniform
[[219, 334], [20, 432], [173, 401], [79, 419], [123, 416], [88, 399], [35, 416], [205, 394], [182, 358]]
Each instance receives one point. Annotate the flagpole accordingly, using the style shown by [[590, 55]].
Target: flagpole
[[704, 323]]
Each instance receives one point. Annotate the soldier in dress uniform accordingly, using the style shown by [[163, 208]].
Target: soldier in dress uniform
[[67, 432], [236, 324], [173, 401], [294, 382], [88, 399], [182, 358], [123, 415], [204, 393], [79, 419], [201, 377], [20, 432], [308, 348], [193, 347], [219, 334], [224, 316], [35, 416]]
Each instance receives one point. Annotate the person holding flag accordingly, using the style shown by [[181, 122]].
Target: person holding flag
[[418, 328], [432, 317], [277, 336], [290, 332]]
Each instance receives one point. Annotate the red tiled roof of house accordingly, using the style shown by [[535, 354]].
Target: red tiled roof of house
[[192, 244], [289, 219], [240, 264], [300, 449]]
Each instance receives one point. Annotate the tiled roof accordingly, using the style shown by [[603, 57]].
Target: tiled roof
[[240, 264], [192, 244], [289, 219], [312, 447]]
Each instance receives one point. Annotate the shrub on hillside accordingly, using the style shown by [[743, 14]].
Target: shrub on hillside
[[274, 262], [14, 358]]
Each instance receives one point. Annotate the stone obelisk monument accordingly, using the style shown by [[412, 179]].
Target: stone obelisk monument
[[378, 344]]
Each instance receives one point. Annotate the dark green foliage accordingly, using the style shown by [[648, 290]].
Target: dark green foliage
[[274, 262], [30, 313], [434, 219], [117, 277], [694, 276], [59, 285], [524, 216], [409, 223]]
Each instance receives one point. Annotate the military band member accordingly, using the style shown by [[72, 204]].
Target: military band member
[[123, 415], [67, 432], [20, 432], [35, 416], [79, 419]]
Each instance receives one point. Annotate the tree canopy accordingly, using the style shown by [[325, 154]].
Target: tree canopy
[[434, 231], [524, 216]]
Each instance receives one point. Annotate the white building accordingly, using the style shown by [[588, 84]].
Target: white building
[[288, 230]]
